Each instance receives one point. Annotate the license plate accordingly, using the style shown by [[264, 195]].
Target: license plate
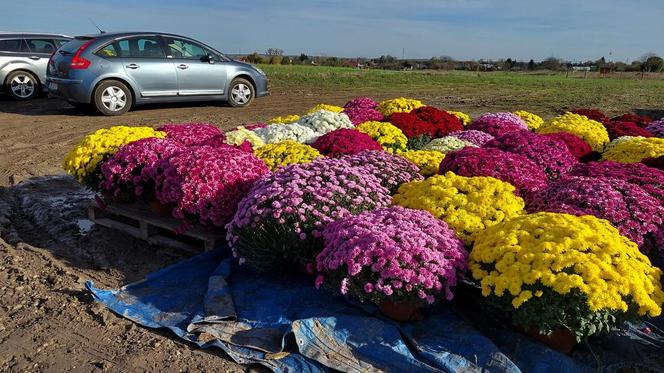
[[52, 86]]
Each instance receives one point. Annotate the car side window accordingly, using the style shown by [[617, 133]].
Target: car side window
[[108, 51], [179, 48], [41, 45], [136, 47], [13, 45]]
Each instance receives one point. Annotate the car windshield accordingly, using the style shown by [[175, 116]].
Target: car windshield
[[72, 46]]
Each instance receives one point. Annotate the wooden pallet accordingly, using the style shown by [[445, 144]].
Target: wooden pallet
[[137, 220]]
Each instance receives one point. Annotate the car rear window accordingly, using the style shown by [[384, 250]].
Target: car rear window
[[13, 45], [72, 46]]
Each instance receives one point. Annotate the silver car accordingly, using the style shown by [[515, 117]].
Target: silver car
[[114, 71], [23, 61]]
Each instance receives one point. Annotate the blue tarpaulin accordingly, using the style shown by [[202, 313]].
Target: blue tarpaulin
[[284, 323]]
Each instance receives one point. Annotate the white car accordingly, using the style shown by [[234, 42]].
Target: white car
[[23, 62]]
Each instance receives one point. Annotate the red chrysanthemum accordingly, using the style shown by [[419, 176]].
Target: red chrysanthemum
[[593, 114], [617, 129], [575, 144], [639, 120], [345, 141]]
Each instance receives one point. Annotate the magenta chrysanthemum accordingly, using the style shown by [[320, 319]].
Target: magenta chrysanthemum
[[359, 115], [130, 169], [550, 154], [497, 124], [207, 182], [515, 169], [361, 102], [193, 133], [279, 224], [391, 170], [648, 178], [637, 215], [345, 141], [395, 254], [478, 138]]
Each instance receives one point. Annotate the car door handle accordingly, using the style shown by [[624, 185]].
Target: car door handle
[[132, 66], [183, 67], [34, 58]]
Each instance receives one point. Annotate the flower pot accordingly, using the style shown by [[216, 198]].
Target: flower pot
[[159, 208], [402, 312], [561, 340]]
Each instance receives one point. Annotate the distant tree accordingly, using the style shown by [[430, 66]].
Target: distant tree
[[653, 64], [274, 52], [287, 61], [552, 63], [508, 64], [634, 66], [255, 58], [601, 62], [275, 59], [531, 65], [303, 58]]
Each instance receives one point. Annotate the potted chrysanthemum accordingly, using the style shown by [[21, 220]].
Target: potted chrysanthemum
[[397, 258], [563, 278]]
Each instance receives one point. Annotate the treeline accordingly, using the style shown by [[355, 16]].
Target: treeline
[[646, 63]]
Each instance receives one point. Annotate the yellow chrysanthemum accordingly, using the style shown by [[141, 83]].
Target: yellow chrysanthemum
[[427, 160], [463, 117], [564, 252], [286, 152], [388, 135], [533, 121], [285, 119], [467, 204], [398, 105], [592, 132], [84, 159], [240, 135], [635, 149], [332, 108]]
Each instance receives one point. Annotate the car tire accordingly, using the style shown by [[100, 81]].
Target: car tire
[[22, 85], [112, 97], [240, 93]]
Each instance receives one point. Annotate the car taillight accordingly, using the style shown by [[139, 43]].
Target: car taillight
[[78, 62]]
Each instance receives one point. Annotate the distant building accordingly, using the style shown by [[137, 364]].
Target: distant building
[[580, 68]]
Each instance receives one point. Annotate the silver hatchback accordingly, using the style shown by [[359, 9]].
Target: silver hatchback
[[114, 71], [23, 61]]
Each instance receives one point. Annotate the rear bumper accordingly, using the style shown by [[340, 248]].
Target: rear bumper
[[67, 89]]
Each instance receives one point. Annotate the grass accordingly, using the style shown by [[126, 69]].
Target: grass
[[545, 93]]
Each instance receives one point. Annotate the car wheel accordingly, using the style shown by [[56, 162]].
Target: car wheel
[[240, 93], [21, 85], [112, 97]]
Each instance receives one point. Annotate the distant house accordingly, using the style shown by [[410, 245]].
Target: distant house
[[580, 68]]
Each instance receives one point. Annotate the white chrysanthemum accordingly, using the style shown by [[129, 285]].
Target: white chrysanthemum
[[324, 121], [620, 140], [281, 132], [448, 144]]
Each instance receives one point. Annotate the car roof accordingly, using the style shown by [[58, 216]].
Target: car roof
[[6, 34], [113, 35]]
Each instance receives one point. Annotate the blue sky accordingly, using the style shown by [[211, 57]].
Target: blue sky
[[465, 29]]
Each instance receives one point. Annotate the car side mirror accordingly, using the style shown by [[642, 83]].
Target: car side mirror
[[208, 58]]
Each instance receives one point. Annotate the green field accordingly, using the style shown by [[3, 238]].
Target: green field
[[544, 93]]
